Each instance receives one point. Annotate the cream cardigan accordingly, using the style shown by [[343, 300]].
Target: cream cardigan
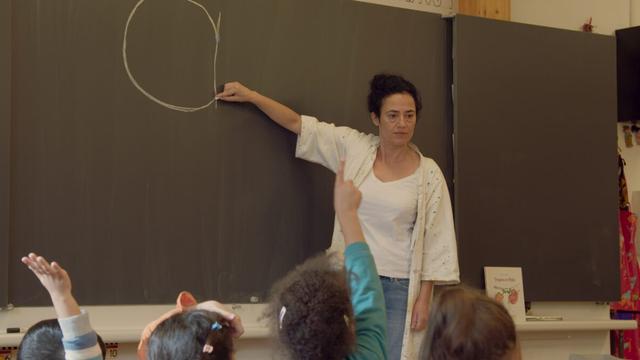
[[433, 244]]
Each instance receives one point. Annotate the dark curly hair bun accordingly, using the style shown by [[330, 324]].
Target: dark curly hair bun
[[383, 85]]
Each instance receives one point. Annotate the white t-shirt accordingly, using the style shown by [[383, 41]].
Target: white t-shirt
[[388, 214]]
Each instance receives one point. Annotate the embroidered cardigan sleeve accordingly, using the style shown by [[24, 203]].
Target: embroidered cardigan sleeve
[[440, 257], [326, 144]]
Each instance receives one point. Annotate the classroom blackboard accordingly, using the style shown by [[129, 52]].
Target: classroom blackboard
[[535, 157], [139, 201]]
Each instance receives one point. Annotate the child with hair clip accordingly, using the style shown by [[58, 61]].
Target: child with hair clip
[[191, 331], [71, 336], [467, 325], [323, 311]]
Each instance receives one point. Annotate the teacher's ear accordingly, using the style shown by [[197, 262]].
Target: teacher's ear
[[375, 119]]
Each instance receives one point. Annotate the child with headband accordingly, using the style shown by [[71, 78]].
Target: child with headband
[[323, 311], [191, 331]]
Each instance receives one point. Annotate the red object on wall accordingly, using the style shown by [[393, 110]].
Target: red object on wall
[[626, 343], [587, 27]]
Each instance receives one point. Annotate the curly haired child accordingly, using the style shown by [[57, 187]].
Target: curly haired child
[[322, 311]]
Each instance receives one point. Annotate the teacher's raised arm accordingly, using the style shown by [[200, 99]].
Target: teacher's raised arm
[[281, 114]]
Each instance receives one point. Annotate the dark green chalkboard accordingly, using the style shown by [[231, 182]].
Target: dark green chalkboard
[[535, 157], [139, 201]]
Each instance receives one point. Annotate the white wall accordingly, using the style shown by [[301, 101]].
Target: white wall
[[608, 15], [444, 7], [635, 12]]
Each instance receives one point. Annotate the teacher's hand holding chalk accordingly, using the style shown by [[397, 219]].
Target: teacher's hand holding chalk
[[236, 92], [281, 114]]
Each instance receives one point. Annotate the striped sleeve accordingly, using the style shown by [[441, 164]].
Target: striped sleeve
[[79, 340]]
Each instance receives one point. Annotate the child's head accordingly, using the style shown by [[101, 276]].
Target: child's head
[[191, 335], [43, 340], [311, 311], [467, 325]]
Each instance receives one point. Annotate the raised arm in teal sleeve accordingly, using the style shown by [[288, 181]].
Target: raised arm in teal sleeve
[[367, 300]]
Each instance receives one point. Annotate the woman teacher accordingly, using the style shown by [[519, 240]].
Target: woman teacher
[[405, 211]]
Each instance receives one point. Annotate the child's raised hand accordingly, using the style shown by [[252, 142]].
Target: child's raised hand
[[346, 196], [346, 199], [218, 308], [53, 277]]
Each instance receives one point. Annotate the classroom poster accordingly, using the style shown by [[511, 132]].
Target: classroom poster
[[504, 284]]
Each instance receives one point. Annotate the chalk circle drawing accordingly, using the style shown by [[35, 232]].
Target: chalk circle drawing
[[216, 30]]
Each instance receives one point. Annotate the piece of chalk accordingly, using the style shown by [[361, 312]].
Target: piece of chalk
[[544, 318], [13, 330]]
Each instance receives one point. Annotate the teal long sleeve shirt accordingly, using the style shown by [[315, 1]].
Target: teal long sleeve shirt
[[367, 300]]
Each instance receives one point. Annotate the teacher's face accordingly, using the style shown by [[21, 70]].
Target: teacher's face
[[397, 119]]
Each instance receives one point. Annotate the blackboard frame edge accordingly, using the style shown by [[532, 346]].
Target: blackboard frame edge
[[449, 107], [5, 147], [453, 33]]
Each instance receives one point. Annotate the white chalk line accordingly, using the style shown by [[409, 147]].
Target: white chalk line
[[216, 29]]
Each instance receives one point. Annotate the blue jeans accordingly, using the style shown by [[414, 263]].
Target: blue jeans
[[396, 292]]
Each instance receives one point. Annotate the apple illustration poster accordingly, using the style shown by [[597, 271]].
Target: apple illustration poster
[[504, 284]]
